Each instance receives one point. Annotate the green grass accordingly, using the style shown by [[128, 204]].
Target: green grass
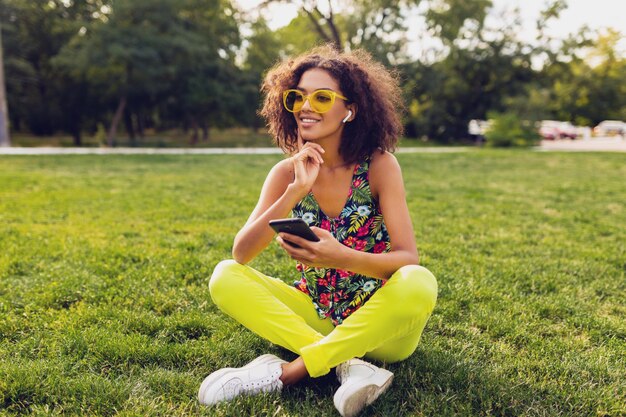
[[104, 306]]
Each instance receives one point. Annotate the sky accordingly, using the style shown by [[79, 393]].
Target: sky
[[597, 14]]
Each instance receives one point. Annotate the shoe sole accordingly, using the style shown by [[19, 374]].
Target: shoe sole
[[268, 357], [352, 399]]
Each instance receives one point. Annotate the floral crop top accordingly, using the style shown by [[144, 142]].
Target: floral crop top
[[337, 293]]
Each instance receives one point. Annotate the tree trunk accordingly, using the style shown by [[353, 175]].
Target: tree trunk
[[73, 124], [77, 137], [5, 139], [194, 133], [205, 131], [128, 121], [140, 125], [116, 120]]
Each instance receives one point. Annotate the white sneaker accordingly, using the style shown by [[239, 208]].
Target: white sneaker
[[361, 384], [260, 375]]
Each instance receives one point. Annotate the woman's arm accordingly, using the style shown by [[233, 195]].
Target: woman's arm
[[386, 178], [286, 184]]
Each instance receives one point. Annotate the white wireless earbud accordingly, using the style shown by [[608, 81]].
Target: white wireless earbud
[[348, 116]]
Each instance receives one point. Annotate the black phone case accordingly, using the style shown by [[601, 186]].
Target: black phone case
[[294, 226]]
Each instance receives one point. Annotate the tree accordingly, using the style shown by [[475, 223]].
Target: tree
[[377, 26], [43, 99], [445, 95], [209, 87], [449, 18], [146, 52], [5, 139], [587, 91], [322, 23], [30, 43], [120, 54], [487, 68], [263, 51]]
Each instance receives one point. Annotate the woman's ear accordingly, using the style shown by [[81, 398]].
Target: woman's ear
[[351, 113]]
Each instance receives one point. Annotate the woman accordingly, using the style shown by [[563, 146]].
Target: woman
[[360, 292]]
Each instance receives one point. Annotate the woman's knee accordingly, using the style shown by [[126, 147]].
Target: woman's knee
[[395, 351], [417, 286], [224, 279]]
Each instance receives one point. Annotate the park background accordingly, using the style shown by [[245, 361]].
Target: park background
[[172, 73], [105, 259]]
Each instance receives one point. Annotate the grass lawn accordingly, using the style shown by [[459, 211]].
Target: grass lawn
[[105, 310]]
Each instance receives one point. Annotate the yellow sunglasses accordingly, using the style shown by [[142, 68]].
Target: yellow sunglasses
[[320, 101]]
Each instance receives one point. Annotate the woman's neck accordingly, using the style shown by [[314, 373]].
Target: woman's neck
[[332, 158], [332, 166]]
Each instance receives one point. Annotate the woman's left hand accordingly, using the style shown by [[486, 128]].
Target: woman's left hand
[[327, 253]]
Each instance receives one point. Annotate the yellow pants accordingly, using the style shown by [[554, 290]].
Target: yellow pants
[[387, 327]]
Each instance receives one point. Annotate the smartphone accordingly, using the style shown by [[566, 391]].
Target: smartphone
[[295, 226]]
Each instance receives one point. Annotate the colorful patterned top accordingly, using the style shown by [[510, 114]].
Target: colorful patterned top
[[337, 293]]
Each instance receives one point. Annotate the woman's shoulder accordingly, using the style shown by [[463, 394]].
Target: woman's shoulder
[[283, 166], [281, 173], [384, 170], [383, 161]]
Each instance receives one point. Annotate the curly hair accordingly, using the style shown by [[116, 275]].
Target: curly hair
[[365, 82]]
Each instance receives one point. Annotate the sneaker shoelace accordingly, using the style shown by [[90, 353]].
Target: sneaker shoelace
[[235, 387]]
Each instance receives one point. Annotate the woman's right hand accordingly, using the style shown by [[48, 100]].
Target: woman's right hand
[[306, 165]]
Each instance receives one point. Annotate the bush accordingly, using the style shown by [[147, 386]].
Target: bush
[[507, 130]]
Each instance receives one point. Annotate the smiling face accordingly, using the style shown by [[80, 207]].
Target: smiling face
[[316, 126]]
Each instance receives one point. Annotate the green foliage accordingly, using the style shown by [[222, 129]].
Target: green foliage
[[448, 17], [531, 105], [377, 26], [444, 96], [298, 36], [72, 62], [508, 130], [147, 51], [263, 52], [105, 310], [588, 94], [198, 64], [39, 97], [487, 68]]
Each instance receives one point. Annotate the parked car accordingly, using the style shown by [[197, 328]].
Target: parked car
[[568, 130], [610, 127], [553, 129]]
